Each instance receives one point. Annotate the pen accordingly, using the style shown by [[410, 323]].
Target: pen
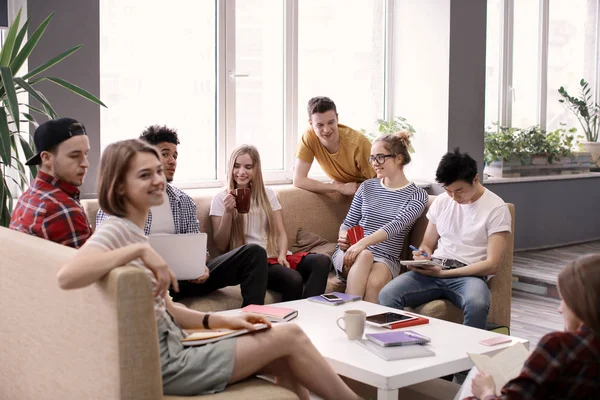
[[415, 249]]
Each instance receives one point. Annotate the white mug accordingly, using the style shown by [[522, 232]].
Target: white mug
[[354, 323]]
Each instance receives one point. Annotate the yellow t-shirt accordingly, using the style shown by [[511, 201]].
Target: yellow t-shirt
[[349, 164]]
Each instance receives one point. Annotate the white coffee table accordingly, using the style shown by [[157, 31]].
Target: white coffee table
[[449, 341]]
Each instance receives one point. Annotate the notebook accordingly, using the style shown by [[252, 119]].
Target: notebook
[[396, 352], [397, 338], [346, 298], [274, 314], [206, 336], [185, 253]]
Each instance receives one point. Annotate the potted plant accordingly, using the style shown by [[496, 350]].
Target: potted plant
[[587, 112], [15, 144], [394, 125], [510, 151]]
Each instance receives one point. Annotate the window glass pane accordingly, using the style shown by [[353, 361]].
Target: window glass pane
[[492, 61], [341, 56], [259, 47], [525, 63], [571, 53], [157, 66]]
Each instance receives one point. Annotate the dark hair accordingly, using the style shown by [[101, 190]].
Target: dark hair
[[397, 143], [115, 162], [456, 166], [156, 134], [320, 105], [579, 287]]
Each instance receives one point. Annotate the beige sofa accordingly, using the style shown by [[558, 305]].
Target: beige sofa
[[100, 342], [322, 214]]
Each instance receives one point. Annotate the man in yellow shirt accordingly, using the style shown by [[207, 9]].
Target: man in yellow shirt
[[342, 152]]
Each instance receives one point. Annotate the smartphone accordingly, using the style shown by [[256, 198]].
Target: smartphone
[[495, 340], [331, 297], [388, 318]]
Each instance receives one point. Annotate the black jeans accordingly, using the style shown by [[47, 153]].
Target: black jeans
[[245, 266], [312, 270]]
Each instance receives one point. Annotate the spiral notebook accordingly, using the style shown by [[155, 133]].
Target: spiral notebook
[[397, 338], [396, 352]]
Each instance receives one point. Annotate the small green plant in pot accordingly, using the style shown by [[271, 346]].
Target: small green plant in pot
[[587, 112], [15, 143], [394, 125]]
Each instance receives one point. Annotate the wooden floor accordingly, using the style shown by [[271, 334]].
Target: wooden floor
[[543, 266], [533, 316]]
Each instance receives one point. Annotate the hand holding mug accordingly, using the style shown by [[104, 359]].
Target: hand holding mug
[[343, 242], [242, 199], [229, 202]]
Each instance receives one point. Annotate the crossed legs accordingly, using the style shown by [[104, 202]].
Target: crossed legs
[[366, 278]]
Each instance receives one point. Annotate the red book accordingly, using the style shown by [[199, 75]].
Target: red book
[[405, 324]]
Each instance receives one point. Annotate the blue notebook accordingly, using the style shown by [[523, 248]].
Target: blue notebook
[[346, 298], [397, 338]]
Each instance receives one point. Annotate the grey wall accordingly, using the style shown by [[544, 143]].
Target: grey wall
[[75, 22], [550, 213], [466, 97]]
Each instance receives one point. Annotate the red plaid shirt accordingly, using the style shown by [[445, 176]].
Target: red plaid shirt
[[50, 209], [564, 365]]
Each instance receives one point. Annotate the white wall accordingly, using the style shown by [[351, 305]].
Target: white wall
[[421, 57]]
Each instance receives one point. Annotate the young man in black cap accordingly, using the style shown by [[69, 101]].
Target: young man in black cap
[[50, 207]]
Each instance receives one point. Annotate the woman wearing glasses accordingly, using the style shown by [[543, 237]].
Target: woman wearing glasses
[[386, 207]]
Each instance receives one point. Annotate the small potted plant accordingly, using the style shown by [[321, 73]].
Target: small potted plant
[[392, 126], [587, 112]]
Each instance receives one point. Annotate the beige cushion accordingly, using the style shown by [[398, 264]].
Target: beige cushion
[[253, 388]]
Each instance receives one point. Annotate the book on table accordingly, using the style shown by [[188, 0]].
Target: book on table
[[392, 353], [397, 338], [274, 314], [200, 337], [345, 298], [419, 320]]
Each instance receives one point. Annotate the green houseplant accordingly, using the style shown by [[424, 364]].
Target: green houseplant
[[587, 112], [15, 144], [394, 125], [516, 147]]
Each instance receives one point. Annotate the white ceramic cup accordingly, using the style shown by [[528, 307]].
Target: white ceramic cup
[[354, 323]]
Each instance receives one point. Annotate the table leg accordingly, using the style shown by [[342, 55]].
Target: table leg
[[387, 394]]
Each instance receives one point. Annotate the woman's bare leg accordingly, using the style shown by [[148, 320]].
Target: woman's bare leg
[[359, 273], [380, 275], [256, 352], [285, 378]]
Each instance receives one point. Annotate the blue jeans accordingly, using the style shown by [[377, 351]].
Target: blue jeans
[[469, 293]]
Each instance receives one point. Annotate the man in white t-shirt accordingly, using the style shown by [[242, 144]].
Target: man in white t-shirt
[[467, 233], [245, 266]]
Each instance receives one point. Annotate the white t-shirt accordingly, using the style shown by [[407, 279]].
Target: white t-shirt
[[464, 229], [162, 218], [255, 221]]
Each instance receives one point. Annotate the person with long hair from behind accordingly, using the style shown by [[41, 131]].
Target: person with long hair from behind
[[564, 365], [263, 225], [131, 180], [386, 207]]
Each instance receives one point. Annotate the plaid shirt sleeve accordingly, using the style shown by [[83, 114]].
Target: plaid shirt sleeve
[[185, 216], [66, 224]]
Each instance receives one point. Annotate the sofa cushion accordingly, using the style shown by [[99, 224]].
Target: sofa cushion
[[440, 309], [253, 388], [308, 241]]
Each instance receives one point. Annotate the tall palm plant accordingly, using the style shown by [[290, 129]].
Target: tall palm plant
[[16, 145]]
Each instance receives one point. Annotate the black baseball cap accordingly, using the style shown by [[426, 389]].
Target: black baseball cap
[[52, 133]]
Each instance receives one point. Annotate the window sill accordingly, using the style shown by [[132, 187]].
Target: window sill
[[494, 181]]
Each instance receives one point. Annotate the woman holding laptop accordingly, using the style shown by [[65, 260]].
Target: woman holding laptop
[[131, 180], [258, 220]]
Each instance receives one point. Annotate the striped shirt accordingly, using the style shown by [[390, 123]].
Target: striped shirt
[[394, 211], [50, 209], [116, 232]]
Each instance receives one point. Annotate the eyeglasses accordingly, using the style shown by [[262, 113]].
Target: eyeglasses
[[380, 158]]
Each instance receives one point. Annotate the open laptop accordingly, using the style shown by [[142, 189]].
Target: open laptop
[[185, 254]]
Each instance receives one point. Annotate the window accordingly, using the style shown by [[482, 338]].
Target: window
[[232, 72], [157, 66], [492, 61], [548, 44]]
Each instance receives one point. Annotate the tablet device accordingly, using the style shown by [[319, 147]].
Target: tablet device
[[421, 263], [184, 253], [388, 318]]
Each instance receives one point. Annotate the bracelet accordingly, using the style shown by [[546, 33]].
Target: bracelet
[[205, 321]]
